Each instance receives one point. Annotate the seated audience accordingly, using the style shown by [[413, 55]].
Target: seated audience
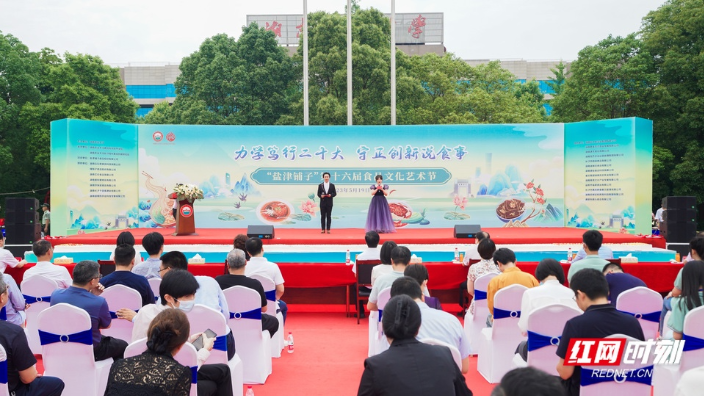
[[155, 371], [84, 294], [409, 367], [486, 249], [259, 265], [22, 377], [591, 243], [178, 290], [45, 253], [400, 257], [690, 298], [14, 309], [385, 258], [419, 272], [505, 259], [472, 252], [372, 252], [7, 259], [126, 238], [153, 243], [436, 324], [239, 243], [605, 252], [696, 248], [619, 281], [236, 261], [600, 319], [528, 381], [124, 261]]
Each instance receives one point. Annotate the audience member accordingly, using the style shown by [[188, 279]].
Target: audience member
[[528, 381], [619, 281], [124, 261], [385, 258], [22, 377], [591, 243], [14, 309], [690, 298], [696, 249], [177, 291], [600, 319], [409, 367], [45, 253], [472, 252], [436, 324], [258, 265], [237, 263], [84, 294], [372, 252], [400, 257], [419, 272], [605, 252], [153, 243], [126, 238], [551, 290], [7, 259], [486, 250], [505, 259], [239, 243], [155, 372]]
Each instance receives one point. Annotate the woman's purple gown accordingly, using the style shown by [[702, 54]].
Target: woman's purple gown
[[379, 215]]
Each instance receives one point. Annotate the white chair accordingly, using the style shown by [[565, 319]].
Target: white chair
[[455, 352], [666, 377], [121, 296], [3, 373], [545, 325], [187, 356], [646, 305], [610, 380], [154, 284], [272, 308], [377, 341], [499, 342], [67, 350], [474, 323], [202, 318], [37, 293], [253, 343]]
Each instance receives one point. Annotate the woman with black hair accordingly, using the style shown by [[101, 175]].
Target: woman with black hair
[[409, 367], [126, 238], [419, 272], [385, 257], [691, 297], [155, 372]]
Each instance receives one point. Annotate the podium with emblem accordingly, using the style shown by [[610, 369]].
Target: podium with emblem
[[185, 213]]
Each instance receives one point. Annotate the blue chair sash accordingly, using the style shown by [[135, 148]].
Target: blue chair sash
[[113, 314], [502, 314], [220, 343], [537, 341], [692, 343], [610, 375], [381, 312], [194, 374], [253, 314], [479, 295], [31, 299], [3, 372], [650, 317], [3, 314], [270, 295], [82, 337]]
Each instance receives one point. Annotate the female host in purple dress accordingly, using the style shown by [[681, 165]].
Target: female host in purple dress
[[379, 215]]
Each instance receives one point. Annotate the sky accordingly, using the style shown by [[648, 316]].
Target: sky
[[159, 31]]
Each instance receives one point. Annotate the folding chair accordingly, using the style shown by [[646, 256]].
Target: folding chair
[[475, 322], [117, 297], [187, 356], [377, 341], [464, 294], [37, 293], [154, 283], [645, 305], [453, 349], [272, 308], [362, 287]]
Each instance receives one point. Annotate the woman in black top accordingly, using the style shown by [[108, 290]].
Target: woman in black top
[[155, 372]]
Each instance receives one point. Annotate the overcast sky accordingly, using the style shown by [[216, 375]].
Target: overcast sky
[[125, 31]]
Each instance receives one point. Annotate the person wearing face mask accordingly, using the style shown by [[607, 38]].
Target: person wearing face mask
[[178, 291]]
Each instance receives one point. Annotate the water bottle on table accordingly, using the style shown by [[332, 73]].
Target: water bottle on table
[[250, 391], [289, 342]]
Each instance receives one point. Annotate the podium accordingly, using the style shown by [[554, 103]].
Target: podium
[[185, 217]]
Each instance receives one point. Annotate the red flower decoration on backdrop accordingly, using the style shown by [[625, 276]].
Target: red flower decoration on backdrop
[[539, 191], [530, 185]]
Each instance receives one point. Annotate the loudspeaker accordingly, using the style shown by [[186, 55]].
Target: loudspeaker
[[467, 230], [260, 231], [679, 215], [679, 203], [22, 234], [678, 232], [21, 204], [681, 248], [22, 217]]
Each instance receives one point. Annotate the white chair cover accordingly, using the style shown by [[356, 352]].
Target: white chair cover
[[121, 296], [253, 344], [474, 323], [645, 304], [377, 340], [666, 377], [3, 366], [36, 291], [455, 352], [154, 283], [202, 318], [187, 356], [499, 342], [69, 359], [545, 325], [272, 306]]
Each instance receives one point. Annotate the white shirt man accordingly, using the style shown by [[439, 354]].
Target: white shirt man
[[550, 291], [7, 259], [45, 268], [258, 265]]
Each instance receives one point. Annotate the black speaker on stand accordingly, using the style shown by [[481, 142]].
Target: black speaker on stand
[[22, 224], [679, 219]]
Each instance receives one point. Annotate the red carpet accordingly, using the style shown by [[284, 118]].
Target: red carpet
[[290, 236]]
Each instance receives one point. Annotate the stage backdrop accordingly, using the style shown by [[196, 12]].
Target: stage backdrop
[[592, 174]]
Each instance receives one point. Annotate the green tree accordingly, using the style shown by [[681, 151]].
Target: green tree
[[557, 82]]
